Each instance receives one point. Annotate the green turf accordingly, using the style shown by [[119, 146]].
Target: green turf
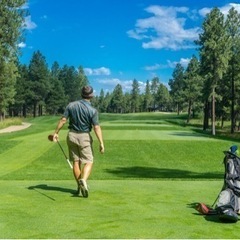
[[145, 185], [115, 209]]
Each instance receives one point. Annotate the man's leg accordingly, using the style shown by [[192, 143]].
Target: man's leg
[[77, 170], [77, 174], [73, 150], [87, 156], [86, 171]]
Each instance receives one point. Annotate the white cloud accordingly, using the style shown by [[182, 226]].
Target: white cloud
[[29, 24], [22, 45], [227, 7], [183, 61], [97, 71], [25, 6], [204, 11], [156, 66], [153, 67], [111, 83], [164, 29]]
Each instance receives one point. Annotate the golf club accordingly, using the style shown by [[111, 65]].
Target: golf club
[[50, 138], [216, 200]]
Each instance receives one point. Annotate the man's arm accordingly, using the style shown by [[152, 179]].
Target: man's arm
[[98, 131], [60, 124]]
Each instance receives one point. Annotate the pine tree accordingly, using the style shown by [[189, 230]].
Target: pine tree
[[154, 88], [192, 85], [162, 97], [117, 99], [233, 31], [214, 52], [11, 22], [176, 87], [40, 83], [147, 98], [23, 92], [135, 97], [56, 99]]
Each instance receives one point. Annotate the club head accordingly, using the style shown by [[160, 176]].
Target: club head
[[50, 138]]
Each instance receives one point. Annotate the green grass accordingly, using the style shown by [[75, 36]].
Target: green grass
[[145, 185], [116, 209]]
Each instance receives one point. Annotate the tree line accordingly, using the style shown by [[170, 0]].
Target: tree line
[[209, 84], [40, 90]]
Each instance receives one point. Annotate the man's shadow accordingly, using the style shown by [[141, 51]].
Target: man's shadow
[[45, 187]]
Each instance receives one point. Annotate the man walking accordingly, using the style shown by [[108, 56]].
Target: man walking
[[82, 118]]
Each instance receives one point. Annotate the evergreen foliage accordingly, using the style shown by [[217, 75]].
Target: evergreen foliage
[[11, 29], [209, 85]]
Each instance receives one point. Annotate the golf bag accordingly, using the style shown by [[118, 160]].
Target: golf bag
[[228, 201], [227, 205]]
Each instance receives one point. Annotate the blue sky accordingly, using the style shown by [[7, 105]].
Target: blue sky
[[116, 41]]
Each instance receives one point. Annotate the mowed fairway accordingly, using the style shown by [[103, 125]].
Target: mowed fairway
[[145, 185]]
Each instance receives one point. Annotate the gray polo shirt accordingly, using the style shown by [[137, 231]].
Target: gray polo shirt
[[82, 116]]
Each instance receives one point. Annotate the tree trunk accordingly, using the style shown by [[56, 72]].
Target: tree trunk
[[206, 116], [40, 109], [232, 102], [213, 112], [24, 111], [189, 110], [177, 109], [222, 122], [34, 109]]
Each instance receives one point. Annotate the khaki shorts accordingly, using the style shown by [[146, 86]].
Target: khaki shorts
[[80, 147]]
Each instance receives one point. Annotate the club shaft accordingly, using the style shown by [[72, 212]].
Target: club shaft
[[69, 163], [62, 149], [215, 201], [218, 196]]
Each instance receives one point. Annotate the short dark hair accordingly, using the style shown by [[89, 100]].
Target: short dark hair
[[87, 92]]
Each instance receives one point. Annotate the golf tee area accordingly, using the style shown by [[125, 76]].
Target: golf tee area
[[145, 186]]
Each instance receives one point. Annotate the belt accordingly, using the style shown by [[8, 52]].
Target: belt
[[72, 130]]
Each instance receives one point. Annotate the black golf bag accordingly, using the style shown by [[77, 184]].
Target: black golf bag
[[228, 201], [227, 206]]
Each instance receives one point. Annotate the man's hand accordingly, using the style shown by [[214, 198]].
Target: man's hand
[[101, 148], [98, 132], [60, 124], [55, 137]]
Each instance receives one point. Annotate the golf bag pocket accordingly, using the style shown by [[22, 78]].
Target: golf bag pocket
[[227, 206], [232, 173]]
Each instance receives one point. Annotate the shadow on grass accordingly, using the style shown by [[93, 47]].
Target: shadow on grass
[[161, 173], [214, 218], [209, 218], [51, 188], [188, 134]]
